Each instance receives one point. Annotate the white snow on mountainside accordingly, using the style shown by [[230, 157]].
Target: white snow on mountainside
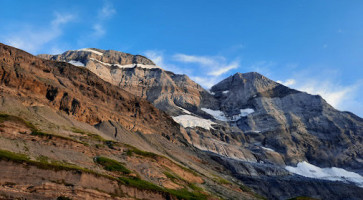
[[76, 63], [333, 174], [192, 121], [243, 113], [128, 66], [91, 50], [217, 114]]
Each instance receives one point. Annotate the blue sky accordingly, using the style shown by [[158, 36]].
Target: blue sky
[[314, 46]]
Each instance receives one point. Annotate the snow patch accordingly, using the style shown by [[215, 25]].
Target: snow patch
[[192, 121], [212, 93], [268, 149], [76, 63], [217, 114], [243, 113], [225, 92], [185, 111], [91, 50], [333, 174], [128, 65]]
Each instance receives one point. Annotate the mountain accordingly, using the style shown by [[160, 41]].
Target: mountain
[[88, 111], [298, 125], [139, 76], [68, 134], [249, 106]]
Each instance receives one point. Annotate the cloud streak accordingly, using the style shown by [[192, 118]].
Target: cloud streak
[[106, 12], [213, 67], [342, 97], [216, 65], [32, 39]]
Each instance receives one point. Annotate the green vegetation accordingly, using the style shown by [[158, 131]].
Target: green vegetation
[[144, 185], [43, 164], [110, 144], [130, 181], [34, 130], [43, 159], [222, 181], [175, 178], [172, 176], [133, 150], [15, 157], [112, 165], [139, 183], [6, 117], [185, 194], [50, 136], [77, 130], [194, 187]]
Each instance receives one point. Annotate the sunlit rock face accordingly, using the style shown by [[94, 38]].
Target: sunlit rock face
[[247, 122]]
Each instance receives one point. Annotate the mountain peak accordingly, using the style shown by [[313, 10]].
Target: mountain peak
[[251, 81], [108, 57]]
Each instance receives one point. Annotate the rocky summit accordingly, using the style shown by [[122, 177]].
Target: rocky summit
[[102, 124]]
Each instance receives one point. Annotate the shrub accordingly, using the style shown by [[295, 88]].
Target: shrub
[[112, 165]]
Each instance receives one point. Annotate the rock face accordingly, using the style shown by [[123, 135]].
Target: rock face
[[253, 110], [247, 123], [141, 77], [295, 124], [58, 120], [78, 92]]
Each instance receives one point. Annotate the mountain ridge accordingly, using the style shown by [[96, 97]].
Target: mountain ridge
[[257, 129]]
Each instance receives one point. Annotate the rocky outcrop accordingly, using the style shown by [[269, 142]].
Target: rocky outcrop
[[30, 182], [298, 125], [141, 77], [77, 92]]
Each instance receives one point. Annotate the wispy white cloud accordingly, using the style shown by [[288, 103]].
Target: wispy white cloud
[[206, 81], [203, 60], [213, 67], [98, 30], [326, 83], [288, 82], [216, 65], [224, 69], [158, 58], [342, 97], [104, 13], [32, 39]]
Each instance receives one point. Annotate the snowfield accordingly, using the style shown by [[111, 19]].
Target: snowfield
[[243, 113], [76, 63], [333, 174], [192, 121], [217, 114], [268, 149], [127, 66], [91, 50]]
